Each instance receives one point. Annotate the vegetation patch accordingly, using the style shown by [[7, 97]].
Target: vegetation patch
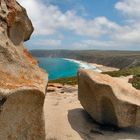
[[135, 71], [123, 72], [66, 81], [51, 138], [136, 82]]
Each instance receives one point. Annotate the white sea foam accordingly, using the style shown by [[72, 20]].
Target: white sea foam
[[85, 65]]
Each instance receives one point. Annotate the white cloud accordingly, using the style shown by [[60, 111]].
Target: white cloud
[[44, 18], [104, 45], [49, 19], [130, 8], [92, 44], [128, 34], [48, 42], [94, 28]]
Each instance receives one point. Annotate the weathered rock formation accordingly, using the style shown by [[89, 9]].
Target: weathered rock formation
[[109, 100], [22, 82]]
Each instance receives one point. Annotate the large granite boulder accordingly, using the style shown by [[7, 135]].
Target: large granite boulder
[[110, 101], [22, 82]]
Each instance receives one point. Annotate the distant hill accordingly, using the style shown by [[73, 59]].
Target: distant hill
[[118, 59]]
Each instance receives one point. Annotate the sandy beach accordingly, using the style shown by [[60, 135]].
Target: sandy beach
[[66, 119], [104, 68], [94, 66]]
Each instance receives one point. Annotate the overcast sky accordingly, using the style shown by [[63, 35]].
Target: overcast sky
[[84, 24]]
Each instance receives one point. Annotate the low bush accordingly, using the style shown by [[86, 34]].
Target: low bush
[[66, 81], [135, 71]]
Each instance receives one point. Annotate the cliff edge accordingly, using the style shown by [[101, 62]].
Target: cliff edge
[[22, 82]]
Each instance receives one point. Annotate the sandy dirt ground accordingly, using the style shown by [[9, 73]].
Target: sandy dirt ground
[[66, 120]]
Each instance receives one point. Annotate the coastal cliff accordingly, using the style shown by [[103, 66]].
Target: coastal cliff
[[22, 82], [117, 59]]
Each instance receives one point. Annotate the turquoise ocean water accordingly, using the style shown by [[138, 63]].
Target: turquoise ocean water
[[61, 68]]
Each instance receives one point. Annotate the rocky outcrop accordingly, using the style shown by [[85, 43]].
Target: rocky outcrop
[[22, 82], [108, 100]]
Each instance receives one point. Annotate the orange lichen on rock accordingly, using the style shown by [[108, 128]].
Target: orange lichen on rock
[[29, 56], [9, 81]]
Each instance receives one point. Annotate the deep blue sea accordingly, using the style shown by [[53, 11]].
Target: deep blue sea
[[61, 68]]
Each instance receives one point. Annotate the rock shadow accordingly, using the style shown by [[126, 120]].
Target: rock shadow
[[88, 129]]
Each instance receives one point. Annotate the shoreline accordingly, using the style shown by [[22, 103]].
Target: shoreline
[[105, 68], [93, 66], [84, 65]]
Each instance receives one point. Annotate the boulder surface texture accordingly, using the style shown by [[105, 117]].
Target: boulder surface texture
[[22, 82], [110, 101]]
